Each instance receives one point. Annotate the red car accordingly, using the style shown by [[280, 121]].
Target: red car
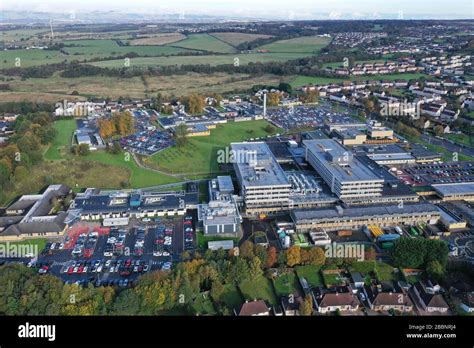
[[80, 269], [70, 270]]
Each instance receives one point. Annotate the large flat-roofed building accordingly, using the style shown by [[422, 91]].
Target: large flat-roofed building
[[347, 177], [455, 192], [94, 204], [34, 216], [332, 219], [220, 218], [263, 183]]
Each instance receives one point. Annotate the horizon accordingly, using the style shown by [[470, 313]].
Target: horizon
[[248, 10]]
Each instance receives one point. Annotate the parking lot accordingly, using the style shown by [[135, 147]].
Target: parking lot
[[308, 116], [117, 256]]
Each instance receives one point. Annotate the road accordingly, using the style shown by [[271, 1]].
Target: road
[[448, 145]]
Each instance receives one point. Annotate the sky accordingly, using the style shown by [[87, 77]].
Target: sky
[[293, 9]]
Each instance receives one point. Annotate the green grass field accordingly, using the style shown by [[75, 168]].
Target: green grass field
[[65, 129], [204, 42], [211, 60], [286, 284], [231, 296], [39, 243], [305, 44], [311, 274], [234, 39], [27, 58], [202, 239], [203, 304], [301, 80], [203, 150], [87, 49], [260, 289], [460, 138]]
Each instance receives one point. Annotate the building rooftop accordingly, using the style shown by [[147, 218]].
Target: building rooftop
[[361, 211], [340, 161], [257, 166], [466, 188]]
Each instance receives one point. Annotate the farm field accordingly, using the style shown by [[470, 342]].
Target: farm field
[[203, 150], [157, 39], [57, 88], [301, 80], [305, 44], [205, 42], [27, 58], [87, 49], [235, 39], [211, 60]]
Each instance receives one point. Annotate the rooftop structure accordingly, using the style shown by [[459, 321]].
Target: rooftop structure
[[347, 177], [458, 191], [357, 217], [262, 181]]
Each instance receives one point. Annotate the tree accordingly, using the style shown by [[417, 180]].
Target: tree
[[273, 99], [269, 128], [4, 174], [435, 269], [83, 149], [246, 250], [255, 268], [316, 257], [181, 135], [195, 103], [438, 130], [293, 256], [310, 96], [306, 307], [217, 290], [272, 256], [261, 252]]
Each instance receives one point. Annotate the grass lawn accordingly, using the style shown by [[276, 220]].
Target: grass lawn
[[386, 272], [460, 138], [40, 243], [139, 177], [203, 304], [311, 274], [259, 289], [231, 296], [199, 155], [286, 284], [202, 240], [65, 130], [331, 279]]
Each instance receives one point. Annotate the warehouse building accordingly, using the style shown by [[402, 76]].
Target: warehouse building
[[347, 177], [338, 218]]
